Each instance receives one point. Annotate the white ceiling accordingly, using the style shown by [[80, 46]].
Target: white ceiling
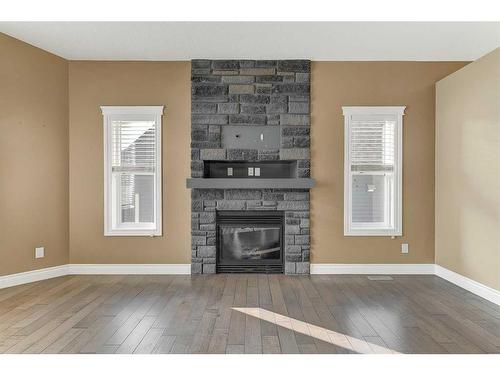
[[415, 41]]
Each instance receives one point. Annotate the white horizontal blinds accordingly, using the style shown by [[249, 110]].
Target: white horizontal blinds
[[372, 170], [132, 170], [372, 155], [133, 164], [372, 143], [134, 145]]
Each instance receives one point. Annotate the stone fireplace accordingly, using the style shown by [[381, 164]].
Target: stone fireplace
[[251, 115]]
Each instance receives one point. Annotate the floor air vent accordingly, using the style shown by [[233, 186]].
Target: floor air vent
[[380, 278]]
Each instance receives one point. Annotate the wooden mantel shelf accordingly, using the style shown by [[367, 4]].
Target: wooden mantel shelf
[[250, 183]]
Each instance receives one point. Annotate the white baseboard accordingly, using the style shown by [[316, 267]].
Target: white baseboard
[[368, 269], [129, 269], [32, 276], [472, 286], [93, 269]]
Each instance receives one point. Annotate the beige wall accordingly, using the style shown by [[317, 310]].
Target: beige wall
[[335, 84], [468, 171], [41, 206], [93, 84], [34, 160], [33, 157]]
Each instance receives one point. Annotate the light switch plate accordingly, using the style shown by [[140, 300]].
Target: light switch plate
[[404, 248], [229, 171], [39, 252], [257, 171]]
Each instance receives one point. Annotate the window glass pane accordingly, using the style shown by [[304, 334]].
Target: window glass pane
[[137, 198], [372, 143], [133, 145], [369, 195]]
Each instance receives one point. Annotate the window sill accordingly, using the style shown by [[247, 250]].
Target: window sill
[[372, 233], [132, 233]]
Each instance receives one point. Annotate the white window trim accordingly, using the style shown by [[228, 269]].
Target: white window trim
[[397, 230], [108, 112]]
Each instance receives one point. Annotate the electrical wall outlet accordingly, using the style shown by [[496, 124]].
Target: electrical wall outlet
[[229, 171], [250, 171], [404, 248], [257, 171], [39, 252]]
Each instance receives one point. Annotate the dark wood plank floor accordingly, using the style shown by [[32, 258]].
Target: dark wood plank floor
[[246, 314]]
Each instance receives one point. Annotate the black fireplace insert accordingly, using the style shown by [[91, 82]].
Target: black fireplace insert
[[250, 241]]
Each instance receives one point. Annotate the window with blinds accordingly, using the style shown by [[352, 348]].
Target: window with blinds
[[132, 165], [372, 171]]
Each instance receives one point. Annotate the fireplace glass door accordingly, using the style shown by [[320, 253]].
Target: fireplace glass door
[[250, 242]]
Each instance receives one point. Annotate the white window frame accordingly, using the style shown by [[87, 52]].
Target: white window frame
[[131, 229], [396, 229]]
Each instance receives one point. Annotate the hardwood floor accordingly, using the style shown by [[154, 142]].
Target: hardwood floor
[[246, 314]]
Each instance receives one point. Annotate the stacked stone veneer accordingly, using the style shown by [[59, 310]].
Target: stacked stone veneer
[[248, 93]]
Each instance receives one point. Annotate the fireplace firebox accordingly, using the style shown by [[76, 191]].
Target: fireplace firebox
[[250, 241]]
